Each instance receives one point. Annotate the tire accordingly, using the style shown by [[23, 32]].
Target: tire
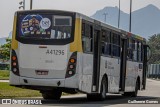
[[127, 94], [92, 97], [104, 87], [134, 94], [52, 95], [102, 95]]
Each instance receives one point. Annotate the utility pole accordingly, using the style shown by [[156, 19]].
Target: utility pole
[[119, 14], [105, 17], [31, 3], [130, 21], [24, 4]]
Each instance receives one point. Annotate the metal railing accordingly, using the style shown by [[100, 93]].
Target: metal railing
[[153, 71]]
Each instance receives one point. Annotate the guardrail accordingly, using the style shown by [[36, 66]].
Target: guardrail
[[153, 71]]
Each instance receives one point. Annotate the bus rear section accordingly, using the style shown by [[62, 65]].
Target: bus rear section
[[55, 51], [41, 57]]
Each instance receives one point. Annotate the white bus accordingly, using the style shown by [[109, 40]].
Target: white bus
[[60, 51]]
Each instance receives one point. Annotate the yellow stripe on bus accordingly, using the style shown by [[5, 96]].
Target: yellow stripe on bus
[[138, 37], [14, 44], [77, 44]]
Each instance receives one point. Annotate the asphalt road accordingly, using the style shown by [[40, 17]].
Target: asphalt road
[[151, 94]]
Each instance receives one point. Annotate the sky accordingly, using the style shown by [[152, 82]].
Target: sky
[[87, 7]]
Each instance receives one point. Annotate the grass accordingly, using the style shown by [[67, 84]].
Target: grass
[[4, 74], [7, 91]]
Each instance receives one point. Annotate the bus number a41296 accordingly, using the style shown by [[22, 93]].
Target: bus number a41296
[[55, 52]]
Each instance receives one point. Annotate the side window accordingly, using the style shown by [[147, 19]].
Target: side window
[[105, 43], [87, 39], [130, 49], [140, 51], [135, 47], [135, 50], [116, 45]]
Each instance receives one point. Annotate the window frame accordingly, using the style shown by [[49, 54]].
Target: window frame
[[105, 41], [83, 33], [137, 51], [36, 41], [140, 59], [118, 45]]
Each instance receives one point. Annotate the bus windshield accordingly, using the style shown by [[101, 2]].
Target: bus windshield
[[44, 26]]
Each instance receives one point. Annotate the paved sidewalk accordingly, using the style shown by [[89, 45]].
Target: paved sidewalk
[[4, 80]]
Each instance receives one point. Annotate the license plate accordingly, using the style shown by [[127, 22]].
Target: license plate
[[41, 72]]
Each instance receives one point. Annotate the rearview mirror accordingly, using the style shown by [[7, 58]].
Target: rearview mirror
[[148, 52]]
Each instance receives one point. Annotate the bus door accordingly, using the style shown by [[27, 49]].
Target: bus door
[[146, 57], [96, 59], [123, 64]]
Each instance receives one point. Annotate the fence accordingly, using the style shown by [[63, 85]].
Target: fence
[[153, 71]]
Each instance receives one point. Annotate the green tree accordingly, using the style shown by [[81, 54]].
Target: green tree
[[154, 43], [5, 50]]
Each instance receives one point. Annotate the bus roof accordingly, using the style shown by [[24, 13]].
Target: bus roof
[[90, 19], [129, 34]]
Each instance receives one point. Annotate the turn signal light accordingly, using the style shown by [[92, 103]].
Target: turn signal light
[[72, 60]]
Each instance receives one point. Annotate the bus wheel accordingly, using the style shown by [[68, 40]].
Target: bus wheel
[[91, 97], [104, 87], [52, 95], [134, 94], [102, 95]]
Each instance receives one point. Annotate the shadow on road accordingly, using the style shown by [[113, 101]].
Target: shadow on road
[[110, 100]]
